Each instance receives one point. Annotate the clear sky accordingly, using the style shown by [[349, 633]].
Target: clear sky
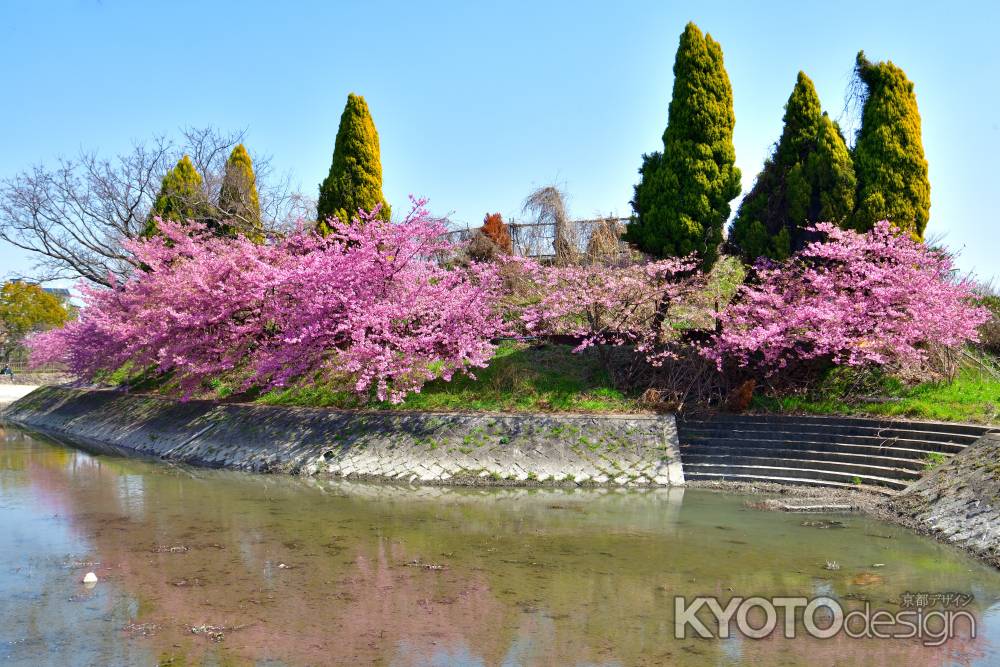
[[476, 103]]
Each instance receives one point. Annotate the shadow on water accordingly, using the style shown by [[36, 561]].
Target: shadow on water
[[202, 566]]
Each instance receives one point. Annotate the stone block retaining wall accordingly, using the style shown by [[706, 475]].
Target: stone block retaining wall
[[623, 450], [959, 501]]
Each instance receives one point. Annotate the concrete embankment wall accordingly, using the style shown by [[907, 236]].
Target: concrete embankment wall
[[625, 450], [959, 501]]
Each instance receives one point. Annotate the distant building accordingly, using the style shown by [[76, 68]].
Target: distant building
[[63, 294], [60, 293]]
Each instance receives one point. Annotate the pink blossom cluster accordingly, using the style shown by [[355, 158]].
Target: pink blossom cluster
[[371, 305], [611, 305], [368, 304], [876, 298]]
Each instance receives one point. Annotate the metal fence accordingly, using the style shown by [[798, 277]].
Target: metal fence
[[543, 241], [18, 363]]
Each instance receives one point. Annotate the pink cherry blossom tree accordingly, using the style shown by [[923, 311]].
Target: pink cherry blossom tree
[[368, 304], [878, 298], [610, 306], [373, 306]]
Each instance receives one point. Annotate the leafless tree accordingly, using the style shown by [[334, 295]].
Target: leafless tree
[[604, 244], [74, 216], [547, 206]]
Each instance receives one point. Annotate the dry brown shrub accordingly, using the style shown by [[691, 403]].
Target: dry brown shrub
[[605, 245], [739, 400], [495, 230], [481, 248]]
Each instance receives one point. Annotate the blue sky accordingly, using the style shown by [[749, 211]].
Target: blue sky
[[477, 103]]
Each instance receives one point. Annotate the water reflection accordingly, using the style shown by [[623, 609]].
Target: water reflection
[[229, 568]]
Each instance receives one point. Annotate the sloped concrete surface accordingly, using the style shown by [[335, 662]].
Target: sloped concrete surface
[[959, 501], [470, 449]]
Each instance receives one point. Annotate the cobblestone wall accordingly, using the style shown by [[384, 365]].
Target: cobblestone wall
[[470, 449], [959, 501]]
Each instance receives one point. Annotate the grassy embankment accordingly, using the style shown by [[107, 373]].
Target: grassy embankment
[[974, 396], [520, 378], [523, 378], [552, 379]]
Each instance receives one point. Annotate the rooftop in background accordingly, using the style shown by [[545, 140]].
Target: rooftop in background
[[61, 293]]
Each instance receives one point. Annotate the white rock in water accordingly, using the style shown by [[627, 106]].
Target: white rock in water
[[90, 578]]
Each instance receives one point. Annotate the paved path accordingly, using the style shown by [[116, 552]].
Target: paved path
[[11, 392]]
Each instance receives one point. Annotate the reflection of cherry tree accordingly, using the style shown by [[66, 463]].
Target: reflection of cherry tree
[[291, 601], [45, 477], [413, 611], [317, 575]]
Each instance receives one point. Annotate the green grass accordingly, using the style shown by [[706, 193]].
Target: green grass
[[933, 459], [974, 396], [551, 378], [519, 379]]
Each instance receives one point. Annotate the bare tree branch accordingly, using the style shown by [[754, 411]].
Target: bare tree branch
[[73, 217]]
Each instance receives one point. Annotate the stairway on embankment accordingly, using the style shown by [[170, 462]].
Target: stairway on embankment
[[825, 451]]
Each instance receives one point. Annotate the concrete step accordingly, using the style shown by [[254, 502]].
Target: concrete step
[[951, 445], [826, 423], [885, 458], [802, 475], [913, 434], [829, 451], [775, 479], [921, 451], [849, 468]]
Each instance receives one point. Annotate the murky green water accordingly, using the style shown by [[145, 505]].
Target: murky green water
[[225, 568]]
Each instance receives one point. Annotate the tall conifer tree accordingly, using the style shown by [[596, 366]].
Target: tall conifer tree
[[889, 153], [682, 200], [181, 197], [808, 179], [238, 198], [355, 178]]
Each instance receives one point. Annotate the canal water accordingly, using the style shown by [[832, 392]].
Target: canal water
[[222, 568]]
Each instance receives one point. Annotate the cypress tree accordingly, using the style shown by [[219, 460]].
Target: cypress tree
[[181, 197], [889, 152], [238, 196], [355, 178], [682, 200], [808, 179], [830, 171]]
